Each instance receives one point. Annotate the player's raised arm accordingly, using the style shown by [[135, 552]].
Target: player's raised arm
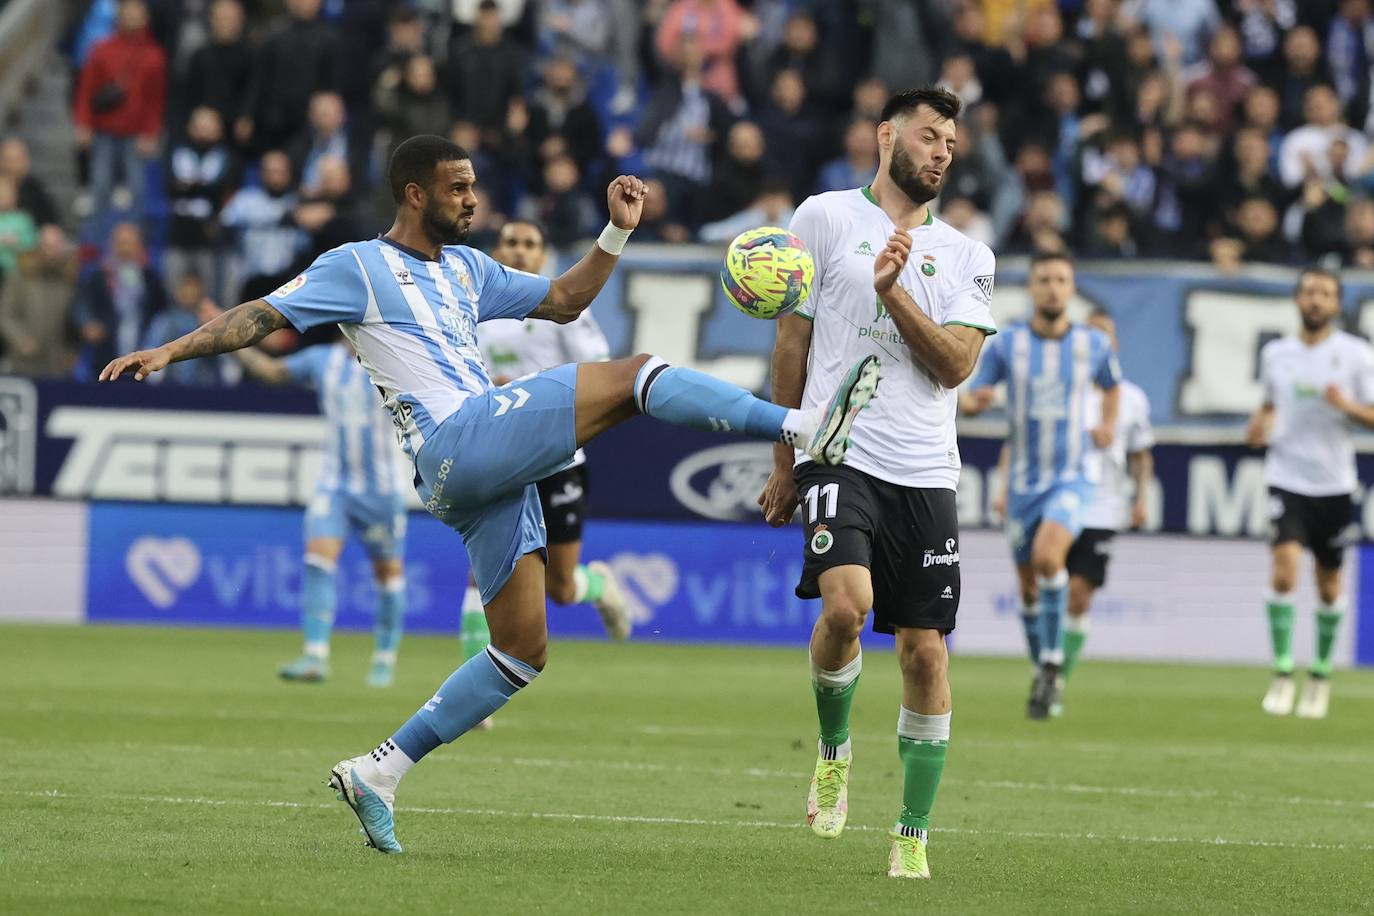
[[241, 326], [951, 352], [575, 289]]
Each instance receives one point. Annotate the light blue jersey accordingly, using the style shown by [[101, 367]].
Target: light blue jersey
[[412, 321], [1049, 383], [360, 454]]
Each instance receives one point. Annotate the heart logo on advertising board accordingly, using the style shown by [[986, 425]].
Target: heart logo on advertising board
[[162, 568]]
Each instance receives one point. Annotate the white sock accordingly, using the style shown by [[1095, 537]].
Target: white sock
[[1077, 624], [384, 656], [917, 726], [838, 680], [390, 762], [472, 600], [799, 426], [838, 752], [319, 650]]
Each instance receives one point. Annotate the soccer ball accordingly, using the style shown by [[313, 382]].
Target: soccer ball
[[767, 272]]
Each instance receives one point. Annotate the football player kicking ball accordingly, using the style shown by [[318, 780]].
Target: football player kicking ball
[[409, 302], [882, 530], [1127, 458], [1050, 367], [1315, 384], [513, 350]]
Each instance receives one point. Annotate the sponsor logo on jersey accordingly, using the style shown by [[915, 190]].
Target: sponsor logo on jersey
[[404, 278], [290, 286], [948, 593], [949, 558], [865, 248], [984, 285]]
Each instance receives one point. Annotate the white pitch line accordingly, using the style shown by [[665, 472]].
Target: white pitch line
[[704, 822]]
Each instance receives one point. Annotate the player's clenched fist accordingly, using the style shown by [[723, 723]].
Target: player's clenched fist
[[625, 198], [891, 260]]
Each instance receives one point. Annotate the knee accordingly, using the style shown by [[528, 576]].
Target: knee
[[530, 648], [561, 587], [1284, 579], [844, 614], [923, 661], [1046, 563]]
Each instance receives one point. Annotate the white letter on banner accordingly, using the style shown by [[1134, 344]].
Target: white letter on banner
[[669, 309], [1227, 330], [1218, 506]]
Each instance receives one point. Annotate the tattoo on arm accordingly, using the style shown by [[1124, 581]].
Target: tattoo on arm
[[241, 326]]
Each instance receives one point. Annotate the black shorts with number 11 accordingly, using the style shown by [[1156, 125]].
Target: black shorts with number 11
[[907, 537]]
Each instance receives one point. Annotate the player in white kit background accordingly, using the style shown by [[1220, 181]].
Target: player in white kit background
[[882, 530], [1317, 386]]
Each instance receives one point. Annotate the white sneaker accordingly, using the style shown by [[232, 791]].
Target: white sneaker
[[1278, 701], [1316, 697], [830, 441], [612, 605], [372, 797]]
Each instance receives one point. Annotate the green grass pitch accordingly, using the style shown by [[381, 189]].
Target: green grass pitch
[[163, 771]]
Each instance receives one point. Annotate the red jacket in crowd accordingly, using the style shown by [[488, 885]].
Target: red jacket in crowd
[[136, 63]]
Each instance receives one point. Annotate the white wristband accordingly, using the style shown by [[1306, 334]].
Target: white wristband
[[612, 239]]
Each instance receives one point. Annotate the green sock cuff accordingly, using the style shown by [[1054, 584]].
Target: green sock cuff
[[923, 763], [1279, 611], [590, 585], [832, 706]]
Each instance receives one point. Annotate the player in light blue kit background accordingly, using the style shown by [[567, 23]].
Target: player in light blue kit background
[[1050, 366], [361, 488], [409, 302]]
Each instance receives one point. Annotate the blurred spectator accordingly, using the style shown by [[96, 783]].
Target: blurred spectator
[[1223, 76], [681, 129], [115, 301], [405, 37], [1251, 175], [407, 101], [1186, 203], [324, 138], [269, 242], [18, 233], [1102, 67], [468, 13], [201, 174], [1188, 22], [905, 47], [1120, 173], [564, 209], [1046, 51], [1261, 112], [579, 30], [487, 220], [294, 63], [121, 93], [1060, 129], [495, 175], [1158, 101], [869, 98], [1304, 151], [794, 133], [559, 106], [739, 174], [329, 212], [1257, 238], [716, 29], [1322, 230], [859, 163], [33, 196], [802, 51], [657, 224], [994, 65], [957, 74], [1042, 226], [1350, 54], [36, 332], [980, 168], [771, 206], [1111, 234], [183, 318], [1263, 23], [219, 73], [1359, 235], [1302, 69], [1030, 173], [485, 71], [961, 213]]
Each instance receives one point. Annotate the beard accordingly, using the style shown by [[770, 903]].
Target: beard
[[1316, 323], [904, 175], [441, 230], [1050, 313]]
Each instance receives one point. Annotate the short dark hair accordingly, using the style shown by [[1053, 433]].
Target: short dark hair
[[943, 102], [415, 159], [532, 223], [1044, 257], [1323, 272]]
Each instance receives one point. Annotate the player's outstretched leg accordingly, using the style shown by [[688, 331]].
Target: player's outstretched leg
[[318, 600], [922, 743], [391, 612], [482, 685], [686, 397]]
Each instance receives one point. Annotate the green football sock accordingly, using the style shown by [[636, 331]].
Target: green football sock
[[923, 750], [473, 632], [1328, 622], [1074, 638], [834, 696], [587, 585], [1280, 609]]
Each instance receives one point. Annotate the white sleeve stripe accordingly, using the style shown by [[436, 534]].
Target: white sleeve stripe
[[373, 313]]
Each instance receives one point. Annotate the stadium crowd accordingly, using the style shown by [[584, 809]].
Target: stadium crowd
[[224, 143]]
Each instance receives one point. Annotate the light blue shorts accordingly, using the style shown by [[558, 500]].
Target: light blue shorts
[[477, 472], [378, 519], [1062, 503]]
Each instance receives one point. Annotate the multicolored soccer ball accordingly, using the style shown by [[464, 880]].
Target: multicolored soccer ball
[[767, 272]]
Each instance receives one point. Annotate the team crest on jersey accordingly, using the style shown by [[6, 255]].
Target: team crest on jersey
[[464, 278], [822, 540], [928, 265], [290, 286]]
